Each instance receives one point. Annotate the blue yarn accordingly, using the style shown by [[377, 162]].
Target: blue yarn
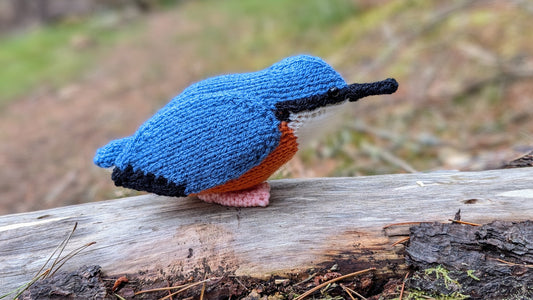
[[221, 127]]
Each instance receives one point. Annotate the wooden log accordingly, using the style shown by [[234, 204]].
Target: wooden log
[[309, 223], [492, 261]]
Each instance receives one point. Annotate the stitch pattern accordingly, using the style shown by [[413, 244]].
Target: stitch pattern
[[283, 153], [229, 133]]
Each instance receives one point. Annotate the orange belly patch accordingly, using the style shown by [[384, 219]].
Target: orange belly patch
[[283, 153]]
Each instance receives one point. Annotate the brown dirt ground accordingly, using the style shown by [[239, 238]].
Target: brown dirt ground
[[49, 137]]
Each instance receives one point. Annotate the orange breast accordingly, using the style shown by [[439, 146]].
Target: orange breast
[[283, 153]]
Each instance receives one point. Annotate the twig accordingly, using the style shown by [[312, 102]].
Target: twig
[[380, 133], [203, 288], [463, 222], [316, 288], [169, 292], [171, 288], [388, 157], [202, 292], [185, 288]]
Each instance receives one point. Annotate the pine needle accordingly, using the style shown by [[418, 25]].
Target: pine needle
[[185, 288], [405, 239], [72, 253], [182, 288], [347, 291], [316, 288], [403, 285], [511, 263], [55, 267], [463, 222], [61, 246]]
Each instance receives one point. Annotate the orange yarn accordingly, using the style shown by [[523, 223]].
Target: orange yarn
[[283, 153]]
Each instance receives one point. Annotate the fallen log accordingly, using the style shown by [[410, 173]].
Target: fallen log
[[309, 223]]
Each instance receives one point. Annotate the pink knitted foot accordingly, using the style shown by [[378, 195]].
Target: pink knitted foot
[[255, 196]]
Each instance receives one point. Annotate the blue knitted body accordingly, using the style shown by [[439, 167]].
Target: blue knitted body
[[219, 128]]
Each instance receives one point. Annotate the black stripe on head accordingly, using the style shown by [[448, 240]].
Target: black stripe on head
[[352, 92]]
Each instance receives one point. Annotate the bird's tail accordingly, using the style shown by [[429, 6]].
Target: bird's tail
[[105, 157]]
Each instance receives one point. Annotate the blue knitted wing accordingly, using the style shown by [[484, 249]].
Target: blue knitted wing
[[219, 128]]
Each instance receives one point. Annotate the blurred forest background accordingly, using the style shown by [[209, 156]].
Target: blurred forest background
[[75, 74]]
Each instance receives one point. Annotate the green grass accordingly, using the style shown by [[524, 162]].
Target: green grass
[[48, 55], [253, 33], [294, 17]]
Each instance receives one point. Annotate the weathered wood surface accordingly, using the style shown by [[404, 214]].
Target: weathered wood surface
[[310, 222]]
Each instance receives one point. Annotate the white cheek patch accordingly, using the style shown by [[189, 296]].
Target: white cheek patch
[[308, 124]]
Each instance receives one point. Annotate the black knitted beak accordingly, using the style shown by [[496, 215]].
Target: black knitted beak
[[352, 92]]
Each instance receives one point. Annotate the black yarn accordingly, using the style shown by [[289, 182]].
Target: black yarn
[[146, 182], [352, 92]]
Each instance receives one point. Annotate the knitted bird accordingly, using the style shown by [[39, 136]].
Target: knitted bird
[[223, 137]]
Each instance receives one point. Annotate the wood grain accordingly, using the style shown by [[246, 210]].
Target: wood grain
[[310, 222]]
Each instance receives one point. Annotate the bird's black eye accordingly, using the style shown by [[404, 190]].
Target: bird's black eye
[[333, 92]]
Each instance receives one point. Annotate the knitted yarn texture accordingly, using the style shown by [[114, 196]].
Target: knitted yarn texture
[[218, 129]]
